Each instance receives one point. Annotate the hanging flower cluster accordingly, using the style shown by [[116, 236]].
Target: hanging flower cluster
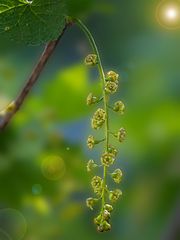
[[101, 119]]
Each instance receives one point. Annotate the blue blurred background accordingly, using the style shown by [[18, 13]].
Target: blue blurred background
[[43, 153]]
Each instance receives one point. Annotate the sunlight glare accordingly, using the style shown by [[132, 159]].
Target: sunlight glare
[[168, 14], [171, 13]]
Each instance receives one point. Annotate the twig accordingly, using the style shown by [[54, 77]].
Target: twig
[[49, 49], [173, 228]]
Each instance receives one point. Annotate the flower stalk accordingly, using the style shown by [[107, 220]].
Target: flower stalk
[[101, 118]]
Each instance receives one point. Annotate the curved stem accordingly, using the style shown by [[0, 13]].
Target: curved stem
[[105, 98]]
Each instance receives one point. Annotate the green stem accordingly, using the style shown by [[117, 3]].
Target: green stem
[[100, 141], [105, 98]]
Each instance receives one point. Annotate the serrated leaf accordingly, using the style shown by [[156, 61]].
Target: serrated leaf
[[32, 22]]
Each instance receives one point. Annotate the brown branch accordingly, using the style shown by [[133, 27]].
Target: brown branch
[[15, 106], [172, 231]]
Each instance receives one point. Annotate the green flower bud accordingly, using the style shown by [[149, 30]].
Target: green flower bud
[[119, 107], [115, 195], [107, 159], [112, 150], [10, 108], [107, 226], [90, 142], [112, 76], [98, 118], [98, 191], [91, 165], [96, 183], [106, 215], [121, 135], [91, 99], [117, 175], [98, 220], [100, 114], [111, 87], [104, 227], [108, 207], [97, 124], [90, 202], [91, 60]]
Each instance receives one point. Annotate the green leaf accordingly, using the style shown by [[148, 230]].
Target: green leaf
[[32, 22]]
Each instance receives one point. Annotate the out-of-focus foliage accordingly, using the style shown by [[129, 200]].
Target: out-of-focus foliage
[[54, 122], [70, 88], [79, 7]]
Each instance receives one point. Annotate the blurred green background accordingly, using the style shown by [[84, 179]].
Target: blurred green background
[[43, 153]]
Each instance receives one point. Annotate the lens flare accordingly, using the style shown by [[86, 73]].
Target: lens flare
[[4, 235], [13, 225], [171, 13], [168, 14]]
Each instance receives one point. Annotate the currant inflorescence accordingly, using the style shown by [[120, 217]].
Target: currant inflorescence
[[100, 119], [108, 157]]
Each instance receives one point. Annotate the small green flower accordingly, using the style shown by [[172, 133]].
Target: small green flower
[[100, 114], [96, 183], [106, 215], [90, 202], [121, 134], [98, 118], [90, 142], [107, 159], [91, 60], [91, 165], [115, 195], [97, 124], [112, 76], [104, 227], [117, 175], [112, 150], [119, 107], [98, 219], [111, 87], [108, 207], [91, 99]]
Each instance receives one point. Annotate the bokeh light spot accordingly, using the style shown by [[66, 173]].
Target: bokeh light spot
[[171, 13], [168, 14], [4, 235], [53, 168], [12, 224], [36, 189]]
